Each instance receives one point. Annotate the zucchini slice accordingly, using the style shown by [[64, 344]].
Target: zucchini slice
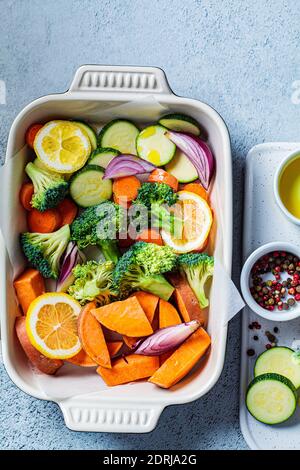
[[271, 398], [278, 360], [90, 132], [102, 156], [119, 134], [154, 147], [88, 188], [182, 168], [180, 123]]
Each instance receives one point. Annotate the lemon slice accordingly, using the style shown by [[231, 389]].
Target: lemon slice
[[51, 325], [62, 146], [197, 221]]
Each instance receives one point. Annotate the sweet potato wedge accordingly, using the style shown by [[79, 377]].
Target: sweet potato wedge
[[82, 359], [41, 362], [148, 303], [29, 285], [186, 300], [182, 360], [92, 337], [125, 317], [114, 347], [168, 315], [133, 367]]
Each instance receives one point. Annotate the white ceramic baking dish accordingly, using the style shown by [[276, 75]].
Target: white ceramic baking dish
[[133, 407]]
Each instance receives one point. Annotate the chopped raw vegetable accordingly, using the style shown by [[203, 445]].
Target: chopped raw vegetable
[[26, 193], [141, 268], [71, 258], [181, 123], [68, 211], [125, 190], [43, 222], [29, 285], [49, 188], [82, 359], [181, 168], [161, 176], [127, 165], [168, 315], [196, 188], [92, 337], [44, 250], [153, 146], [150, 235], [102, 156], [198, 268], [120, 134], [166, 339], [93, 281], [88, 188], [125, 317], [31, 133]]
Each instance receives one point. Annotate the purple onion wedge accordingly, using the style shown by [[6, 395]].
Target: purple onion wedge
[[165, 339], [198, 153], [72, 257], [127, 165]]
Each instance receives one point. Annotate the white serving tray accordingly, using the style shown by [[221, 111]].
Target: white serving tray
[[264, 222], [94, 93]]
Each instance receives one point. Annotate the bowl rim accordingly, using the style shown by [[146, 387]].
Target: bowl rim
[[244, 281], [288, 159]]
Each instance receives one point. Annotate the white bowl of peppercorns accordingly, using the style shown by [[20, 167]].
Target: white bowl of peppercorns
[[270, 281]]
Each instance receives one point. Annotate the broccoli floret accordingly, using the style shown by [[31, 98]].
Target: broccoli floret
[[156, 196], [44, 250], [93, 281], [98, 225], [141, 268], [49, 188], [198, 268]]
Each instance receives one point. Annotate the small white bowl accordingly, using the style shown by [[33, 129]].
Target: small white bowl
[[277, 177], [276, 315]]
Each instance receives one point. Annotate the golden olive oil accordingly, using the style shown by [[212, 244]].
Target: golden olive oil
[[289, 187]]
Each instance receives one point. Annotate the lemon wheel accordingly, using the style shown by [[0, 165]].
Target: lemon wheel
[[51, 325], [62, 146], [197, 221]]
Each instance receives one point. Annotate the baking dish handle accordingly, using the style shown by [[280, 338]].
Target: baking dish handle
[[110, 416], [127, 79]]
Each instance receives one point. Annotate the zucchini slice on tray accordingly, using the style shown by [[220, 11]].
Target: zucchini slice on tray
[[280, 360], [119, 134], [180, 123], [154, 147], [182, 168], [271, 398], [89, 131], [102, 156], [87, 187]]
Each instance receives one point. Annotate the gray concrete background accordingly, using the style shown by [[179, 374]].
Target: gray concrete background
[[240, 57]]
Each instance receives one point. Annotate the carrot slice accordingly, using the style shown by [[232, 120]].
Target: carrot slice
[[186, 300], [179, 364], [68, 211], [161, 176], [125, 189], [26, 193], [168, 315], [31, 133], [41, 362], [150, 235], [196, 188], [114, 347], [133, 367], [82, 359], [92, 337], [125, 317], [29, 285], [43, 222]]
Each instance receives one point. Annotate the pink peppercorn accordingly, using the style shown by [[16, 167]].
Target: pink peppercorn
[[297, 297]]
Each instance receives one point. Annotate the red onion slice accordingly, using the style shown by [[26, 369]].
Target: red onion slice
[[72, 257], [165, 339], [127, 165], [197, 151]]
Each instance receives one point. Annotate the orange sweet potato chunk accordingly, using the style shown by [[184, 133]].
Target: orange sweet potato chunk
[[114, 347], [82, 359], [125, 317], [148, 303], [29, 285], [92, 337], [179, 364], [133, 367], [186, 300], [168, 315]]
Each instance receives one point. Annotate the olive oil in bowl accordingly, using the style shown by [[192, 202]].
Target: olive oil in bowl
[[289, 186]]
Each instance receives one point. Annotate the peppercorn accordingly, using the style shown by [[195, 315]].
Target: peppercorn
[[270, 337], [255, 337], [250, 352], [276, 329], [291, 301], [268, 346]]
